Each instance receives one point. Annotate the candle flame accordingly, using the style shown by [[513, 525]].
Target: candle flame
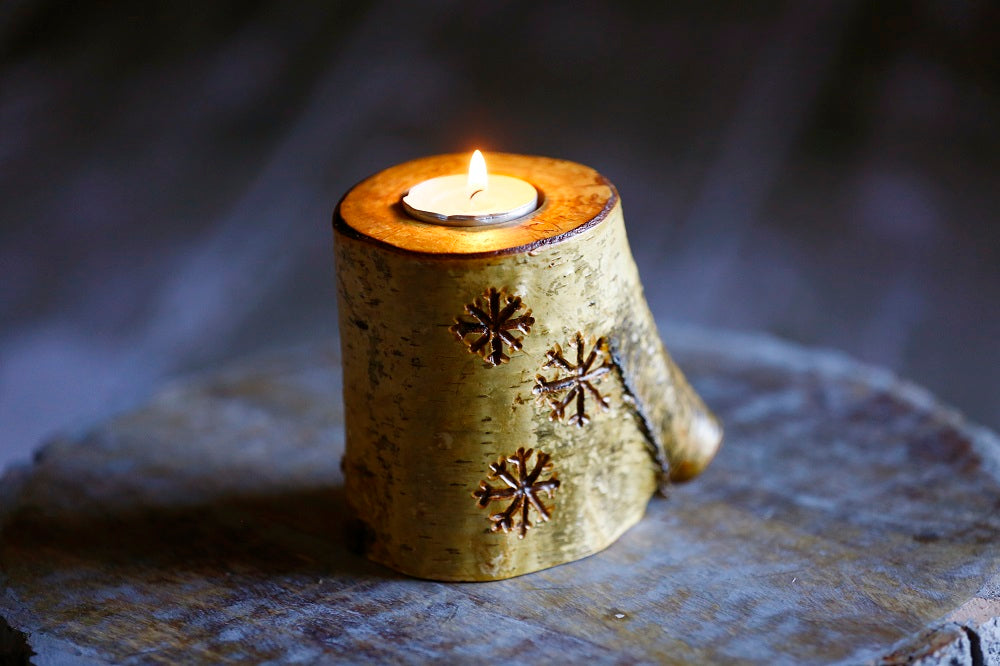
[[477, 174]]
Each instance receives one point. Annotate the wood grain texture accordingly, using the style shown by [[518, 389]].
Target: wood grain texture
[[429, 409], [571, 197], [848, 511]]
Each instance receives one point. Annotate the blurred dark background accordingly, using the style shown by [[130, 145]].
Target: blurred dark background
[[821, 171]]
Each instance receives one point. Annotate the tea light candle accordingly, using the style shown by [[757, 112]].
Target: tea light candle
[[473, 199]]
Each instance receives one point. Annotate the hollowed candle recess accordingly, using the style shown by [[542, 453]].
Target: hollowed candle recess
[[509, 403]]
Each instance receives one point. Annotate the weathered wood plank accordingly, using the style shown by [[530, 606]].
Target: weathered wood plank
[[846, 512]]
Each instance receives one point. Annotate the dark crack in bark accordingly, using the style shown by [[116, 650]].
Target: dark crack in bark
[[975, 646], [653, 443]]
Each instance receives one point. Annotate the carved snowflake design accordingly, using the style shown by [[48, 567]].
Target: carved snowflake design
[[578, 381], [523, 490], [494, 323]]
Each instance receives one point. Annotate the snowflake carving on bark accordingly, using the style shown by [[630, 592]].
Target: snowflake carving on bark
[[578, 381], [523, 491], [494, 324]]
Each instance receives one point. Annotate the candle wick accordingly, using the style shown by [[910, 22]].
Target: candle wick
[[475, 193]]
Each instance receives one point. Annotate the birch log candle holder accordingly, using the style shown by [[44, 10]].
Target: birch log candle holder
[[509, 404]]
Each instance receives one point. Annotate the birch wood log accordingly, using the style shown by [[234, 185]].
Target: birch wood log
[[503, 378]]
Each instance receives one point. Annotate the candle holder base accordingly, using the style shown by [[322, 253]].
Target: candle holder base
[[509, 403]]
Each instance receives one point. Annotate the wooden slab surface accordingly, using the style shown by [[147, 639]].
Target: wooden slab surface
[[848, 518]]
